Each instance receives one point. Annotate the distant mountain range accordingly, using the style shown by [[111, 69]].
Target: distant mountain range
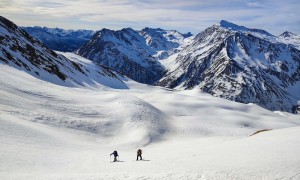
[[226, 60], [59, 39], [20, 50]]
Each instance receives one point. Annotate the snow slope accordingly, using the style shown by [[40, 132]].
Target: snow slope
[[50, 131]]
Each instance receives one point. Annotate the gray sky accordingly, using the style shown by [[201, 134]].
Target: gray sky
[[275, 16]]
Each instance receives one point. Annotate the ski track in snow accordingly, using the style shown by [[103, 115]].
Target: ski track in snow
[[55, 132]]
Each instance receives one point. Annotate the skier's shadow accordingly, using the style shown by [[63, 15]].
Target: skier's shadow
[[144, 160], [116, 161]]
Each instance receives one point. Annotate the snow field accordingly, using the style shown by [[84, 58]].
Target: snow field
[[116, 117], [59, 132], [43, 152]]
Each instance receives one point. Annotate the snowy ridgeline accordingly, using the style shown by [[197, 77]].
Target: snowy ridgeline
[[133, 53], [22, 51], [240, 64], [225, 60]]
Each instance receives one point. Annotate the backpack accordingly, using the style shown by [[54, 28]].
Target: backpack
[[115, 153], [139, 151]]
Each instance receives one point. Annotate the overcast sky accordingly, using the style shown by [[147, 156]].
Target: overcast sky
[[275, 16]]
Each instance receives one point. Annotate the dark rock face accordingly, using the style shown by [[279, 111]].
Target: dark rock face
[[287, 34], [238, 66], [14, 41], [296, 109], [60, 39], [187, 35]]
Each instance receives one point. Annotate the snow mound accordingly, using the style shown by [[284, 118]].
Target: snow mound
[[116, 117], [141, 123]]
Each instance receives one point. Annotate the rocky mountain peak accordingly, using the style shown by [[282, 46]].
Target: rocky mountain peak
[[8, 24], [287, 34], [187, 35], [125, 51], [230, 25], [234, 27], [239, 64]]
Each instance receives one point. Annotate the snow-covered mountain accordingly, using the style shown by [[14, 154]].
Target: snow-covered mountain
[[133, 53], [239, 64], [226, 60], [164, 42], [290, 38], [60, 39], [50, 129], [20, 50]]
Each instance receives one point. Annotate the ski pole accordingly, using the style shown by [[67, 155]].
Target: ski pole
[[110, 158]]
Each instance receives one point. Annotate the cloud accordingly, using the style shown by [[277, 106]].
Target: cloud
[[6, 3], [188, 15], [254, 4]]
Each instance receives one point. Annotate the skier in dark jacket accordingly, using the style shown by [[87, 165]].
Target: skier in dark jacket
[[115, 153], [139, 154]]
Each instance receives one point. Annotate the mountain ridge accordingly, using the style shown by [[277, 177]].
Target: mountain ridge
[[60, 39], [225, 60], [133, 53], [227, 63], [231, 26], [26, 53]]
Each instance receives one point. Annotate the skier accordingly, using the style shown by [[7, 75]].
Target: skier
[[139, 154], [115, 153]]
